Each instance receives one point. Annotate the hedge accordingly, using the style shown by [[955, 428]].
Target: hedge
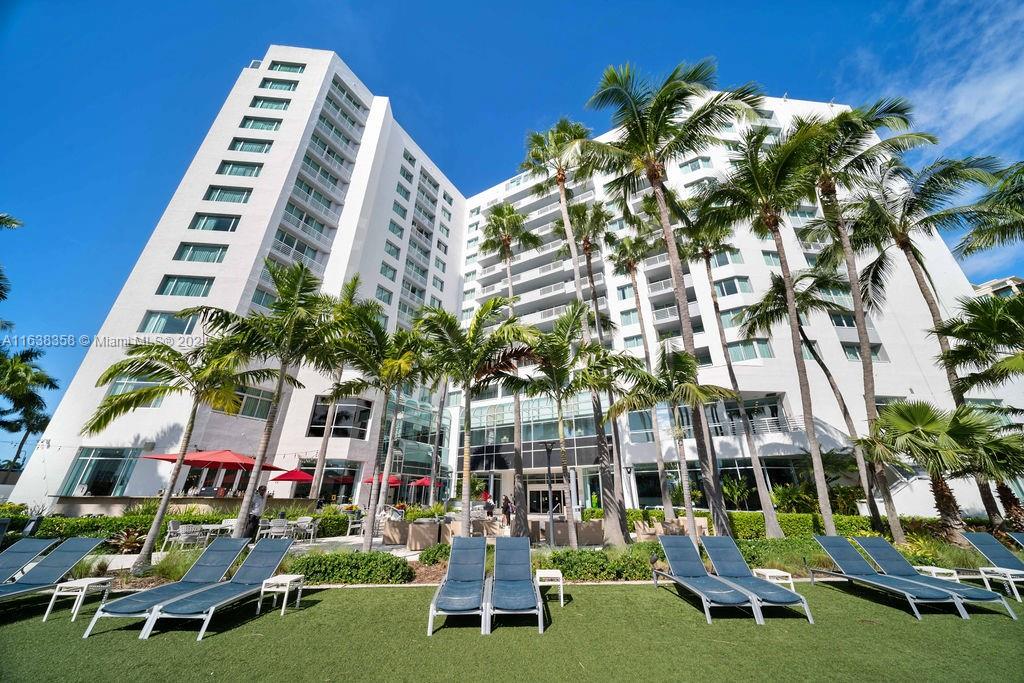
[[352, 567], [436, 554], [751, 524], [632, 564]]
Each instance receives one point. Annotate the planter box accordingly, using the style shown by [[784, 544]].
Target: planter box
[[395, 533], [422, 535]]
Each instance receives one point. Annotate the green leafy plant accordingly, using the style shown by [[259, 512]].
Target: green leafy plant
[[424, 512], [736, 490], [799, 497], [436, 554], [89, 567], [353, 567], [141, 508], [128, 541], [174, 564]]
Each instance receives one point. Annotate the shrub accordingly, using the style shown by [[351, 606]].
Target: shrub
[[353, 567], [424, 512], [174, 564], [331, 523], [578, 565], [787, 554], [129, 541], [8, 510], [796, 524], [436, 554], [89, 567], [143, 508]]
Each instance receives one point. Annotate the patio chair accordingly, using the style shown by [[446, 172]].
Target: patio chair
[[210, 568], [50, 570], [686, 570], [260, 565], [855, 569], [734, 570], [305, 528], [512, 588], [277, 528], [464, 590], [16, 558], [173, 530], [1006, 566], [893, 563]]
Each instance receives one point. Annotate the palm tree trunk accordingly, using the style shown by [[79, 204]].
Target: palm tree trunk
[[242, 523], [467, 433], [145, 558], [684, 474], [708, 464], [764, 496], [570, 513], [995, 517], [321, 454], [615, 532], [435, 458], [820, 483], [950, 520], [1014, 511], [375, 476], [389, 457], [881, 483], [21, 447], [659, 456], [520, 523]]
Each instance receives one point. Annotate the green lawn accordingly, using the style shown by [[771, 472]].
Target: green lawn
[[603, 632]]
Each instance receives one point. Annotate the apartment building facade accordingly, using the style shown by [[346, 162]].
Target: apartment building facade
[[302, 164]]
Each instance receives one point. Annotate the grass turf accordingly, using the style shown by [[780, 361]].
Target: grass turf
[[607, 632]]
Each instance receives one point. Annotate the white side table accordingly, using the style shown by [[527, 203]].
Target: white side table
[[552, 577], [776, 576], [937, 572], [79, 588], [282, 583]]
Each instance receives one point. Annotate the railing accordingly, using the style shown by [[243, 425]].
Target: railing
[[318, 178], [655, 261], [321, 238], [331, 161], [360, 113], [422, 279], [316, 204], [282, 248], [346, 145], [759, 425]]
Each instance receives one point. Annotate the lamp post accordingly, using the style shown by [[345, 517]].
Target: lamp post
[[549, 446], [631, 485]]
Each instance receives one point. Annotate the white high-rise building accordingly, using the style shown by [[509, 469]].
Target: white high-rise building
[[302, 164]]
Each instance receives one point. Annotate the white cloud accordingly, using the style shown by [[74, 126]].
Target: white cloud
[[988, 264]]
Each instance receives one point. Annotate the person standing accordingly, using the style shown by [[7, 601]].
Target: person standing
[[259, 501], [506, 511]]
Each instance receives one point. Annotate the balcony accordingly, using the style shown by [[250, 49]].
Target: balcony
[[345, 146], [343, 171], [322, 239], [297, 256], [670, 313], [358, 113], [317, 205], [548, 315], [337, 191]]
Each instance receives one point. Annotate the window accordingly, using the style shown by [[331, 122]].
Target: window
[[843, 319], [399, 209], [439, 264], [442, 247], [470, 276], [475, 211], [268, 103], [287, 67], [262, 297], [447, 198], [278, 84], [439, 283], [726, 256], [255, 402], [405, 173], [396, 229], [239, 168], [771, 258], [641, 429], [256, 123], [351, 418], [625, 292], [217, 223], [388, 271], [319, 172], [811, 258], [100, 472], [837, 295], [750, 349], [472, 242], [852, 351], [383, 295], [203, 253], [391, 250], [630, 317], [445, 231], [732, 317], [695, 164], [403, 191], [249, 145], [165, 322], [236, 195], [633, 341], [446, 214], [808, 349], [733, 285], [408, 157], [122, 385], [183, 285], [435, 302]]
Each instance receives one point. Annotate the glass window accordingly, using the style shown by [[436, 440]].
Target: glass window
[[100, 472], [388, 271], [239, 168], [842, 319], [255, 402], [278, 84], [732, 317], [641, 428], [166, 322], [409, 157], [256, 123], [633, 341], [391, 250], [262, 297], [771, 258], [215, 222], [247, 145], [396, 229], [439, 264], [236, 195], [405, 173], [403, 191], [695, 164], [852, 351], [445, 231], [435, 302], [203, 253], [733, 285], [811, 258], [750, 349], [383, 295], [630, 317], [439, 283], [625, 292], [268, 103], [351, 418], [288, 67], [470, 276], [122, 385], [446, 214], [442, 247], [447, 198], [399, 209], [726, 256], [182, 285]]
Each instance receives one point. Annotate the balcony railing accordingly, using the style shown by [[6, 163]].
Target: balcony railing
[[338, 166], [320, 238], [282, 248], [309, 200]]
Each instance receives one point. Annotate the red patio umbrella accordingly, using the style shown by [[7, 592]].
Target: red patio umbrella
[[392, 480], [425, 481], [294, 475], [214, 460]]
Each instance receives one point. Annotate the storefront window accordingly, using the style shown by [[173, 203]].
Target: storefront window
[[100, 472]]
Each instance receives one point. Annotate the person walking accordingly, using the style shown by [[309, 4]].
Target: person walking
[[259, 501], [506, 511]]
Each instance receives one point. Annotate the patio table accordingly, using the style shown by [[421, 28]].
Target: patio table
[[282, 583], [79, 588]]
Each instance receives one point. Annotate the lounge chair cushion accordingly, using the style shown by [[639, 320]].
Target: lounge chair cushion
[[994, 551], [715, 590], [8, 590], [21, 553], [906, 586], [894, 564], [262, 561], [964, 590], [143, 601], [460, 596], [766, 590], [215, 560], [726, 556], [683, 558], [514, 595], [207, 598], [512, 559], [59, 561]]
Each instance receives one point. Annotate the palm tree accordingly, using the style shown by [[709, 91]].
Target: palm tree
[[32, 421], [898, 205], [385, 363], [7, 222], [210, 375], [471, 358], [294, 333], [659, 123], [21, 381], [811, 296], [347, 309], [504, 233], [556, 155], [767, 180], [998, 218], [706, 237], [674, 382]]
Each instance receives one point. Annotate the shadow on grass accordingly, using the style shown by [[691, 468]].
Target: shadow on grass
[[900, 603], [718, 612]]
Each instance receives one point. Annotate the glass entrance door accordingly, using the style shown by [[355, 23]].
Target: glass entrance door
[[538, 499]]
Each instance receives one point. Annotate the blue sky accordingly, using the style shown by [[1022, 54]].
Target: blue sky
[[108, 102]]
